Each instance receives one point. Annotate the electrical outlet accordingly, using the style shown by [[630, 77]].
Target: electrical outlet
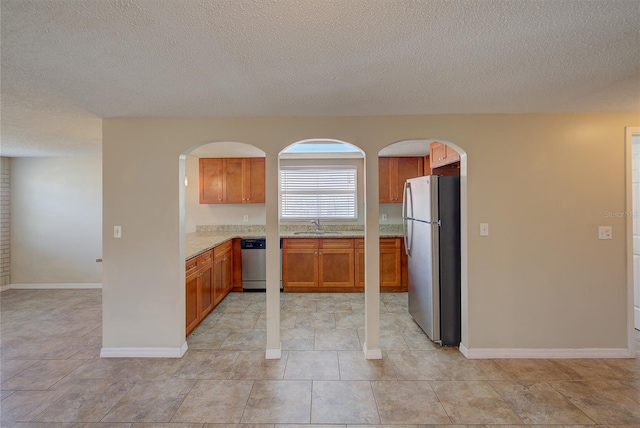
[[605, 232], [384, 217], [117, 231], [484, 229], [246, 218]]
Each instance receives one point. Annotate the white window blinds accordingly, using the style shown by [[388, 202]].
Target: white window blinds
[[318, 192]]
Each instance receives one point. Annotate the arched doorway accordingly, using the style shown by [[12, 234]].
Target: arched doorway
[[204, 223], [400, 161], [321, 223]]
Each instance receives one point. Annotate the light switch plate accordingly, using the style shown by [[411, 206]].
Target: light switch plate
[[384, 217], [605, 232], [117, 231], [484, 229]]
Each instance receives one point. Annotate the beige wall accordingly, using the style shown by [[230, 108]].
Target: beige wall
[[541, 280], [56, 220]]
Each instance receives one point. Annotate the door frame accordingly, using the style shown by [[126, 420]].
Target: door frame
[[631, 342]]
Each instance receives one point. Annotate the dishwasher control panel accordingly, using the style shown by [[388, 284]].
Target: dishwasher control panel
[[253, 244]]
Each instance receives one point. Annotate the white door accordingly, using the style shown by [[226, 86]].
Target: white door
[[635, 179]]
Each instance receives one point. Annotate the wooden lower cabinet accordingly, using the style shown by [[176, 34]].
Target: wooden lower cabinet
[[336, 267], [310, 264], [391, 264], [299, 263], [191, 294], [338, 264], [222, 271], [210, 277]]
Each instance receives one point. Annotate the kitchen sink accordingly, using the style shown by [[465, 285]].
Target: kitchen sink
[[313, 232]]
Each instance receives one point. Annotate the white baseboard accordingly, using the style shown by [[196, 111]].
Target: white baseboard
[[144, 352], [372, 354], [636, 313], [464, 350], [491, 353], [274, 354], [52, 286]]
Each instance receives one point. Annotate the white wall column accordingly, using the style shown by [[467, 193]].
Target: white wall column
[[372, 259], [273, 258]]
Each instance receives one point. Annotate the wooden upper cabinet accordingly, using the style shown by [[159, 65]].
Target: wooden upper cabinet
[[392, 173], [233, 177], [440, 154], [232, 180], [254, 180], [211, 181]]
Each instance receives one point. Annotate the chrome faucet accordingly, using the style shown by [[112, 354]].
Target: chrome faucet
[[316, 222]]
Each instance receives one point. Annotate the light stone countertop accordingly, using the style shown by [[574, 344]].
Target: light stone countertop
[[208, 237]]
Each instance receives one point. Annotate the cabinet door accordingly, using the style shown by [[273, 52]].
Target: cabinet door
[[336, 264], [254, 183], [191, 294], [336, 268], [300, 263], [406, 168], [390, 262], [359, 259], [233, 177], [441, 154], [211, 181], [227, 272], [207, 298], [392, 173], [216, 275], [385, 185]]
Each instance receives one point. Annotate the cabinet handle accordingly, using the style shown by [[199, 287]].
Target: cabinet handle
[[191, 267], [200, 275], [224, 260]]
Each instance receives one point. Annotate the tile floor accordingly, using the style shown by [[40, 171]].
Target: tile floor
[[51, 375]]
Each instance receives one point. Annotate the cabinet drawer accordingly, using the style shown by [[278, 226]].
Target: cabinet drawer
[[222, 248], [389, 243], [311, 244], [359, 244], [191, 265], [340, 243], [205, 259]]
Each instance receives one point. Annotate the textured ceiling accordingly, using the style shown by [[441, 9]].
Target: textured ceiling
[[67, 63]]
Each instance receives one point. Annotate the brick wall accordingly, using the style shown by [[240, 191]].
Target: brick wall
[[5, 233]]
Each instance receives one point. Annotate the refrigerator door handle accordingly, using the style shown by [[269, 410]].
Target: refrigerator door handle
[[407, 198]]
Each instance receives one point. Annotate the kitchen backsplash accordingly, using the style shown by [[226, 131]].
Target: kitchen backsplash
[[234, 228]]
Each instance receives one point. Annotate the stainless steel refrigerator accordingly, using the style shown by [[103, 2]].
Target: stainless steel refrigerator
[[431, 224]]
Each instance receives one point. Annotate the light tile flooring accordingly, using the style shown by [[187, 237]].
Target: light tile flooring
[[52, 377]]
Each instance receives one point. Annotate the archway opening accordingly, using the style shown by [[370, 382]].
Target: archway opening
[[321, 223], [434, 251], [221, 197]]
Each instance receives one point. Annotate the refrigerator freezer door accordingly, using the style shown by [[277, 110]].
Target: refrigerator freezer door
[[421, 193], [424, 297]]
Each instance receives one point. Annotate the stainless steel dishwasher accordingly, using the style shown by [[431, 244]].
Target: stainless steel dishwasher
[[254, 264]]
